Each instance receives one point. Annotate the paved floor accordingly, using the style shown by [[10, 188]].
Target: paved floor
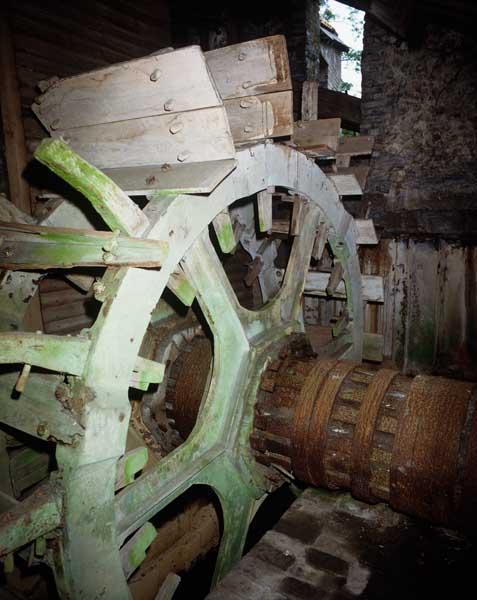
[[328, 545]]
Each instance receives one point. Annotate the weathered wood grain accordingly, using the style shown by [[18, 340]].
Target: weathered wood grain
[[155, 85], [194, 136], [250, 68], [260, 117]]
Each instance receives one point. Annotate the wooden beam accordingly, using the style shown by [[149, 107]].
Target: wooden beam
[[251, 68], [15, 149], [321, 132], [34, 247], [309, 100], [337, 104], [264, 209]]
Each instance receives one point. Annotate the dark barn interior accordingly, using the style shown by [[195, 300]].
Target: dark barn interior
[[238, 302]]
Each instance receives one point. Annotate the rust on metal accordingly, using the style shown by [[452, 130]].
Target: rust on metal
[[190, 376], [364, 433], [303, 426], [426, 447], [382, 435], [320, 419]]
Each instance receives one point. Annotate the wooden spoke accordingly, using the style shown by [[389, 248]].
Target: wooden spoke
[[117, 209], [264, 209], [297, 268]]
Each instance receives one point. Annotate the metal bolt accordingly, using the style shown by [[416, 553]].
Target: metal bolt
[[183, 156], [176, 127], [98, 288], [248, 128], [108, 257], [169, 105], [55, 124], [242, 56], [154, 76], [42, 430], [247, 84], [245, 103]]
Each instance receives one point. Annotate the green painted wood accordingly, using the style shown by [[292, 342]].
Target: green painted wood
[[54, 352], [36, 516], [129, 466], [36, 410], [134, 550], [117, 209], [36, 247]]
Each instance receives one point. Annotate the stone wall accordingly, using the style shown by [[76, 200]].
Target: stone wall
[[420, 103]]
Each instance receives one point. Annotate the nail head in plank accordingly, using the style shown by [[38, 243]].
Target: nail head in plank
[[181, 82], [250, 68], [184, 178], [148, 141], [260, 117]]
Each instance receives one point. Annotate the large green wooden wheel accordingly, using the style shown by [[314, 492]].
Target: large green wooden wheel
[[95, 534]]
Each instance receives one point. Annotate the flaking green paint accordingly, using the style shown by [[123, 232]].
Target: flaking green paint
[[226, 238]]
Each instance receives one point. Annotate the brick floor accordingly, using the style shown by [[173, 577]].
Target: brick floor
[[332, 547]]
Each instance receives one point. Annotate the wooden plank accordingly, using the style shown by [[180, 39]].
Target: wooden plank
[[366, 232], [297, 216], [372, 286], [37, 404], [355, 145], [117, 209], [146, 371], [194, 136], [133, 551], [251, 68], [168, 587], [260, 117], [129, 465], [335, 277], [309, 101], [360, 171], [15, 150], [56, 353], [30, 247], [192, 178], [70, 325], [373, 347], [264, 209], [320, 241], [161, 84], [181, 287], [322, 132], [337, 104], [11, 213], [346, 185], [224, 231]]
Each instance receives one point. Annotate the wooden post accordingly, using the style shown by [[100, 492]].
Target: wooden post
[[15, 149], [309, 101]]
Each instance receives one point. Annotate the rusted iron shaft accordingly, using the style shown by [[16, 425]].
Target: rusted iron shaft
[[386, 437]]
